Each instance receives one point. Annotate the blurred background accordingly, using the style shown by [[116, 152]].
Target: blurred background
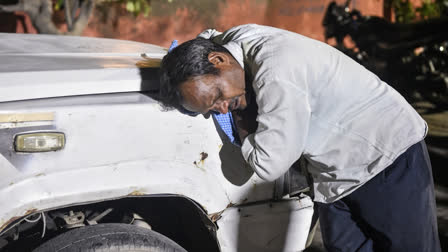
[[404, 42], [160, 21]]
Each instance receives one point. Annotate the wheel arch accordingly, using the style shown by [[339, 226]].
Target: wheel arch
[[176, 216]]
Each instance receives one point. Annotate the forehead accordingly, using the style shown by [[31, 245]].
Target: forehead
[[198, 93]]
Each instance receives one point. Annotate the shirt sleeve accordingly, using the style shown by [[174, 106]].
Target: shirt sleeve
[[283, 122]]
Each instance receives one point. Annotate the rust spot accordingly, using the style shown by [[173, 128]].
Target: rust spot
[[200, 164], [204, 155], [33, 210], [230, 205], [17, 217], [254, 186], [216, 216], [9, 222], [136, 193], [148, 62]]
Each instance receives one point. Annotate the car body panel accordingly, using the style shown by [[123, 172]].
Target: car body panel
[[120, 142], [55, 66], [167, 147], [244, 228]]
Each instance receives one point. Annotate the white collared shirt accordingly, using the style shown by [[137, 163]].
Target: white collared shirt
[[315, 101]]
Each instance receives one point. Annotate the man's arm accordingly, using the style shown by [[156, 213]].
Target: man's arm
[[283, 121]]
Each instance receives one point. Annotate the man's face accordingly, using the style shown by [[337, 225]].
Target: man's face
[[220, 93]]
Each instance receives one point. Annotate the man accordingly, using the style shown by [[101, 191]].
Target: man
[[362, 141]]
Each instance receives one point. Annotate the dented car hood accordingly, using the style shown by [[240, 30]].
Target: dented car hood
[[43, 66]]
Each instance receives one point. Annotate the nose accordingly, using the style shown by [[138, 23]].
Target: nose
[[221, 107]]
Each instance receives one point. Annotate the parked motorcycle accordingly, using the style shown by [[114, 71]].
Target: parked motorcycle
[[413, 58]]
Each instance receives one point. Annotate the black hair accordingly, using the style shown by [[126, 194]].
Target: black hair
[[188, 60]]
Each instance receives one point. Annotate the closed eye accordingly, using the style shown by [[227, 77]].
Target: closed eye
[[218, 96]]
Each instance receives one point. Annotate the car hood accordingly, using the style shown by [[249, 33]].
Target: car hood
[[42, 66]]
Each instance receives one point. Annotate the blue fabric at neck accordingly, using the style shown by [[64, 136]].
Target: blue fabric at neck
[[227, 125]]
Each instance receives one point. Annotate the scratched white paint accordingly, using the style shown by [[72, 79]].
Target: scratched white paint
[[24, 124], [119, 143]]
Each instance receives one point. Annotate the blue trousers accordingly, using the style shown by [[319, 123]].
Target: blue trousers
[[394, 211]]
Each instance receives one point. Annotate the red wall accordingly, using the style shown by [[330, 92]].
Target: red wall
[[174, 20]]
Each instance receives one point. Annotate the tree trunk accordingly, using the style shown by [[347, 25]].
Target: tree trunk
[[41, 11]]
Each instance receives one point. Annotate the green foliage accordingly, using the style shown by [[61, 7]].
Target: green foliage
[[406, 12], [432, 9], [58, 4], [201, 10], [137, 7], [205, 9]]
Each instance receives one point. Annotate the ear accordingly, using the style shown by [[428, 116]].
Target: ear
[[218, 58]]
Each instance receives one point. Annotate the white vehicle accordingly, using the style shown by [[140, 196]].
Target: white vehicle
[[90, 161]]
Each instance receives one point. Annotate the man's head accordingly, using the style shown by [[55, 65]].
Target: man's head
[[202, 76]]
